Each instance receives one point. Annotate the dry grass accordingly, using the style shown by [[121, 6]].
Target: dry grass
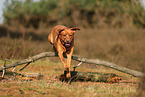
[[49, 86], [121, 46], [124, 47]]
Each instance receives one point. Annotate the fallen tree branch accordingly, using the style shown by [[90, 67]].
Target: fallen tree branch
[[14, 75], [29, 60], [77, 58], [90, 76]]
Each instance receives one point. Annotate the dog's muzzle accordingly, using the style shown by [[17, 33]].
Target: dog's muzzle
[[67, 44]]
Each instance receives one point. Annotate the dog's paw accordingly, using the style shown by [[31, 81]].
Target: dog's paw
[[68, 75]]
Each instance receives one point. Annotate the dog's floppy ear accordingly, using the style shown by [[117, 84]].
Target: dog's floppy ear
[[60, 30], [75, 29]]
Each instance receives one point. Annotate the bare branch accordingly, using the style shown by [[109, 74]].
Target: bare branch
[[77, 58]]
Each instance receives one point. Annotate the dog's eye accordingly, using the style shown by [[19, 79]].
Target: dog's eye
[[64, 35]]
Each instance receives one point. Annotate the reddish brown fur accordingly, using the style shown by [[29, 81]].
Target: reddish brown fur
[[62, 39]]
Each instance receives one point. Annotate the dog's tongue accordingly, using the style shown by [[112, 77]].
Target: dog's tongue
[[67, 44]]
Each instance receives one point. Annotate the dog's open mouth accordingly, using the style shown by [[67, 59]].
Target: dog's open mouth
[[67, 44]]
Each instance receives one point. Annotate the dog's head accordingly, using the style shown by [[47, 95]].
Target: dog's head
[[67, 35]]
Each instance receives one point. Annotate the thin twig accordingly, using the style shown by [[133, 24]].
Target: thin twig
[[3, 73], [13, 69], [25, 66], [9, 60], [4, 69], [77, 66]]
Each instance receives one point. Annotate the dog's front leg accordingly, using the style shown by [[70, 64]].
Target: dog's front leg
[[68, 63], [66, 71], [60, 54], [69, 55]]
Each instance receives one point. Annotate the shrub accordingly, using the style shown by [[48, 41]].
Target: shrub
[[90, 13]]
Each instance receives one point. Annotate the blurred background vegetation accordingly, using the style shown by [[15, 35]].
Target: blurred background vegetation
[[111, 30], [86, 13]]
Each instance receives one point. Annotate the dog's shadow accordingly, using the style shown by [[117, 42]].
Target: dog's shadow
[[89, 76]]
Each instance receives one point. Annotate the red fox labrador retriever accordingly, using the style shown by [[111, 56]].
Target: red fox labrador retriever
[[62, 39]]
